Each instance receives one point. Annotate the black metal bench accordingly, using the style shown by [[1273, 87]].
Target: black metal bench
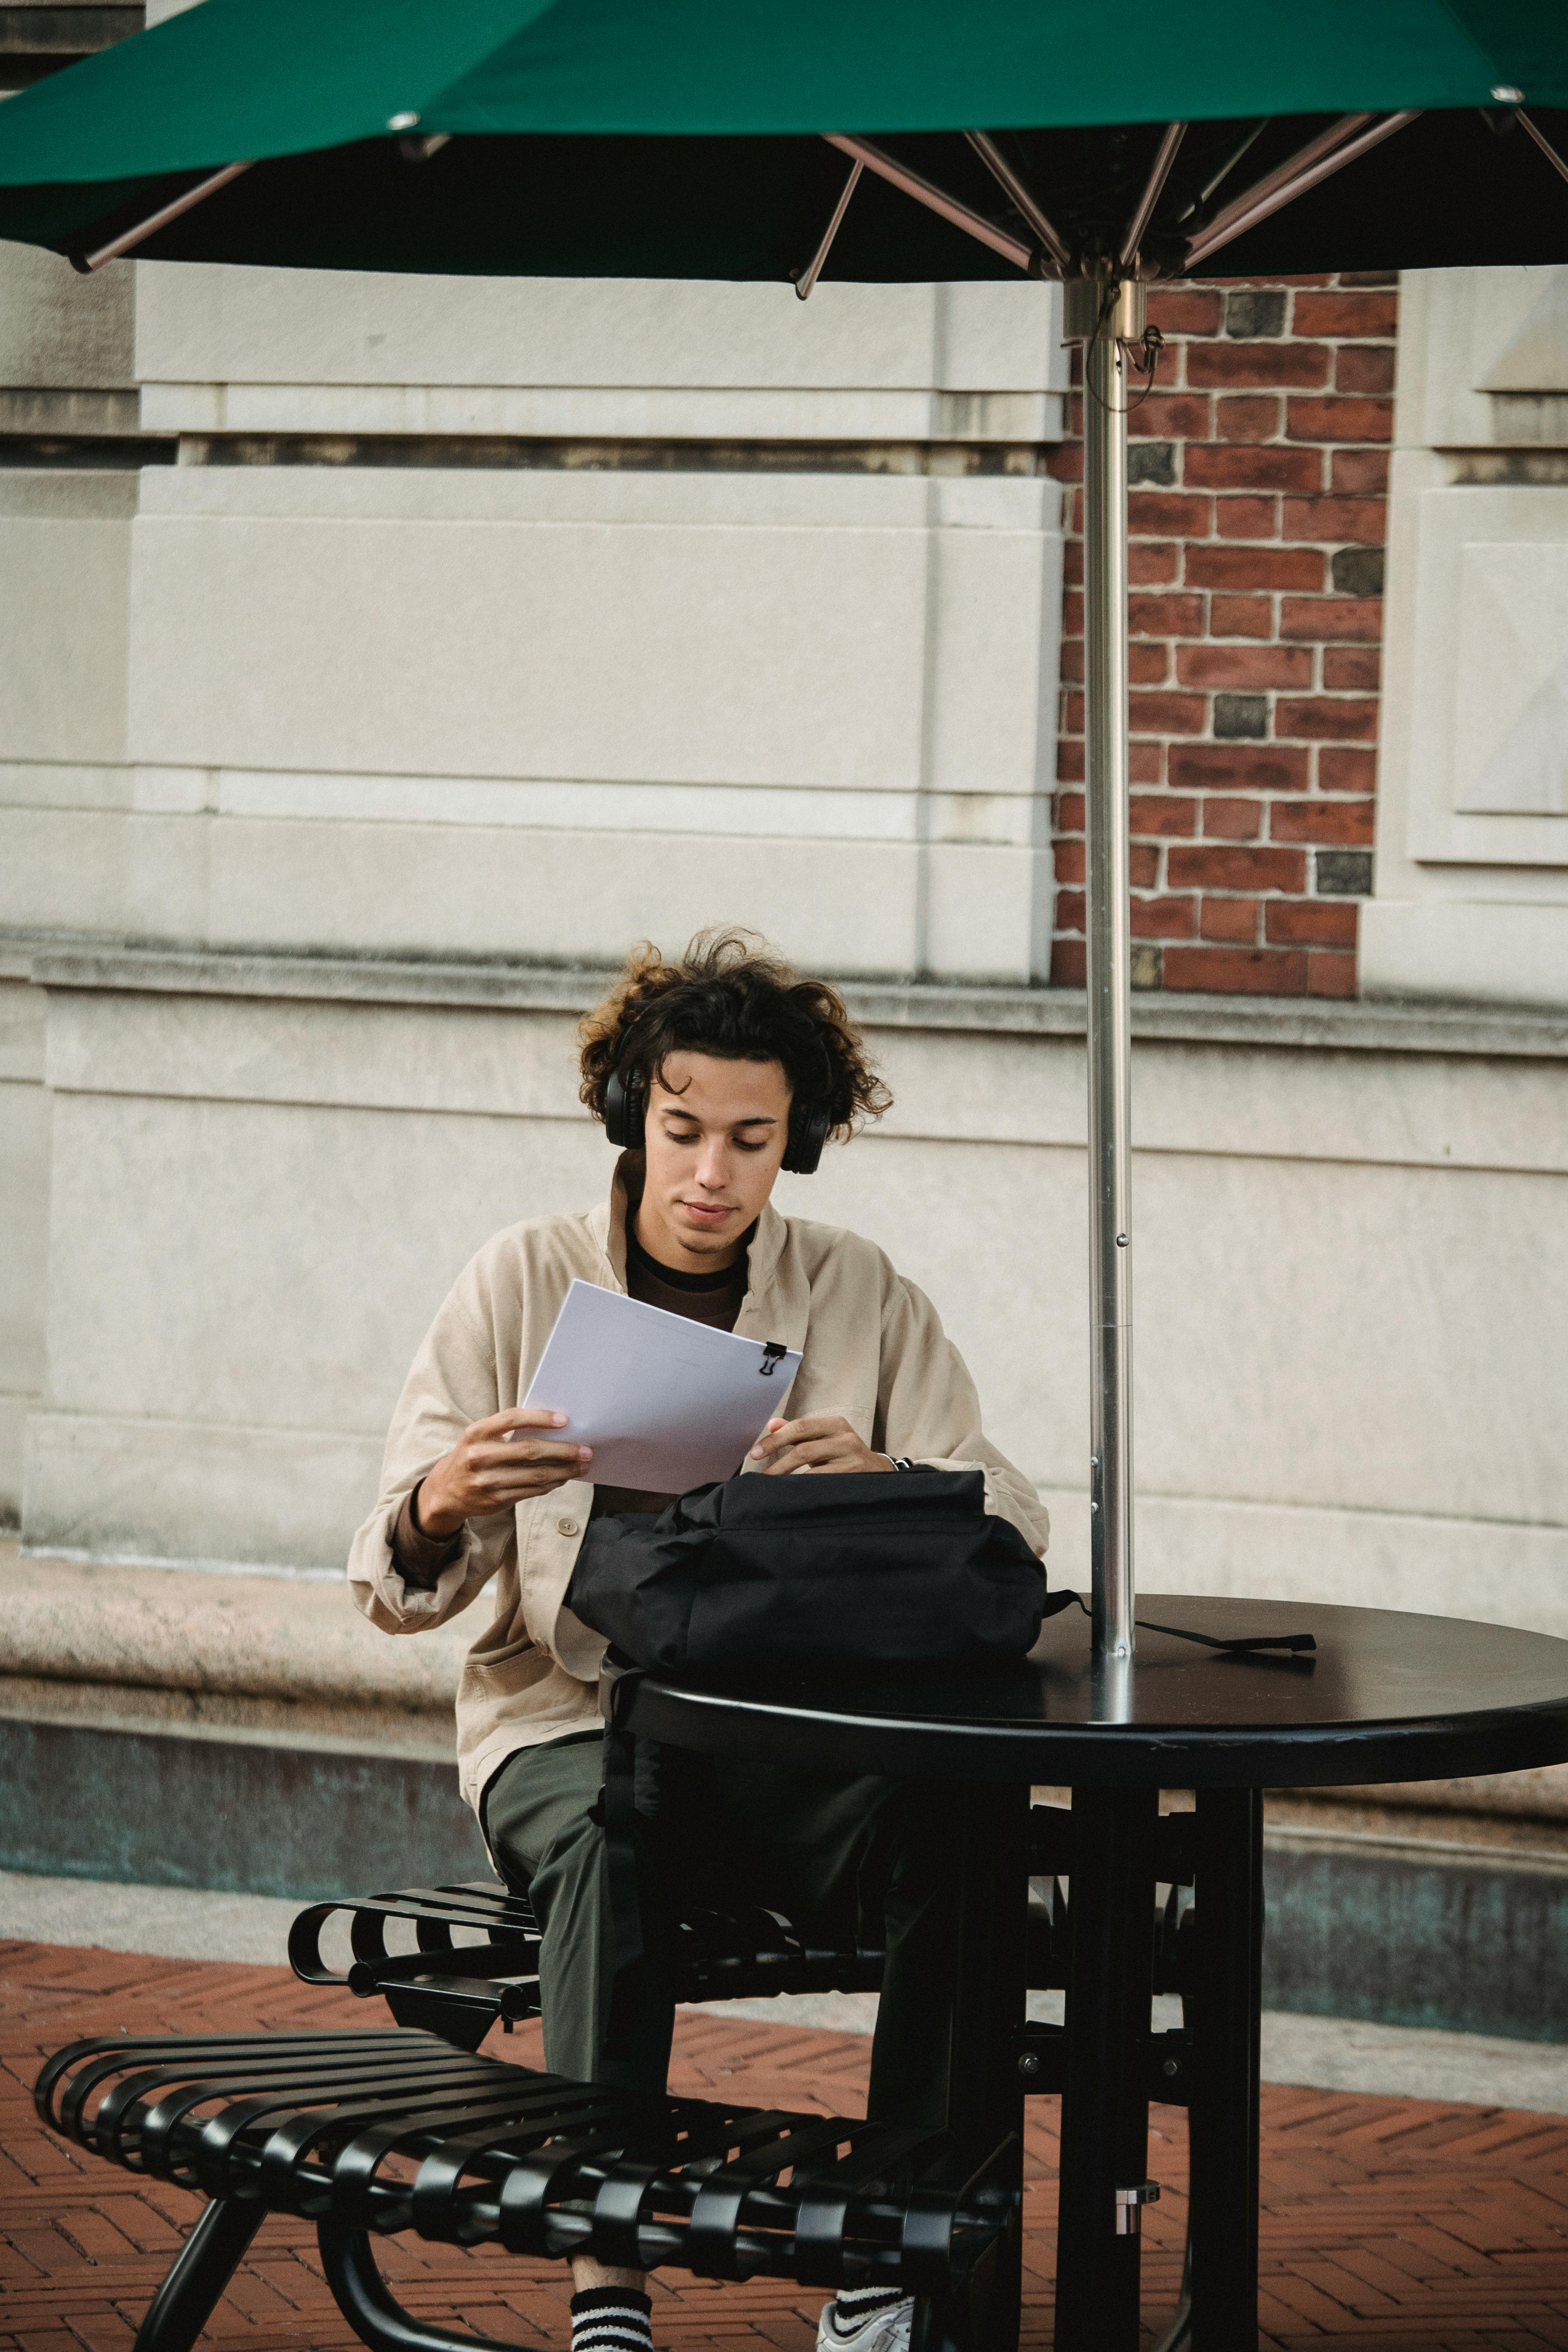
[[460, 1990], [373, 2132], [370, 2132]]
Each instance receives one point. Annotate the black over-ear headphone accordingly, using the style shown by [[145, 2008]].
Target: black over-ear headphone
[[625, 1106]]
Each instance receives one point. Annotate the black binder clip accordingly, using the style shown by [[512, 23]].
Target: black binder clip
[[772, 1353]]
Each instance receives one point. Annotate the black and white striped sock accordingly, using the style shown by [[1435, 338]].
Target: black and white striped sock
[[612, 2320], [852, 2305]]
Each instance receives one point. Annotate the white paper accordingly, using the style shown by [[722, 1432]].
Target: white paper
[[665, 1403]]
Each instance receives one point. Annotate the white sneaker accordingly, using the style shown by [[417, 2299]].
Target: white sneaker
[[887, 2330]]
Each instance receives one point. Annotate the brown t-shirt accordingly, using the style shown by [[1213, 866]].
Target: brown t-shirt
[[712, 1298]]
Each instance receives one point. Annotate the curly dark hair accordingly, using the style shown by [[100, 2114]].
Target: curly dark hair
[[731, 996]]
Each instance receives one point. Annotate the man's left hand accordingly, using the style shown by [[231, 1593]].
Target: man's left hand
[[823, 1442]]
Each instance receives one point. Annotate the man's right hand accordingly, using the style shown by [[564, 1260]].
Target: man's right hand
[[496, 1464]]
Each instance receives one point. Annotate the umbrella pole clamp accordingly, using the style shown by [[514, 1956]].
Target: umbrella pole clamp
[[1106, 314], [1104, 310]]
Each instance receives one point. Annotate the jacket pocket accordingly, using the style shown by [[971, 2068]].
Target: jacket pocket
[[503, 1672]]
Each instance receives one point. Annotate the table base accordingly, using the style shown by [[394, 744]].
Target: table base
[[1384, 1695], [1107, 2062], [1109, 2074]]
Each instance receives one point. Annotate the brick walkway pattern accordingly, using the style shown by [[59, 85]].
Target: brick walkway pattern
[[1390, 2224]]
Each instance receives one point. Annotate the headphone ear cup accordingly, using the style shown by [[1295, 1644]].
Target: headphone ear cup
[[615, 1110], [807, 1133], [624, 1112]]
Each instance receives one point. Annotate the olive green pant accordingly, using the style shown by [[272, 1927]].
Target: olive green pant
[[849, 1863]]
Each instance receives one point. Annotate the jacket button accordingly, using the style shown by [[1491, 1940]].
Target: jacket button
[[566, 1527]]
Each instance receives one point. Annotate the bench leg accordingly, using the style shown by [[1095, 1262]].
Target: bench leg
[[366, 2302], [940, 2325], [981, 2312], [203, 2268], [985, 2091]]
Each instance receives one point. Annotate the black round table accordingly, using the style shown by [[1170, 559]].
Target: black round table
[[1385, 1696]]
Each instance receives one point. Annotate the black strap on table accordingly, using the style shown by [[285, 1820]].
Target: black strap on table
[[616, 1810], [1235, 1645]]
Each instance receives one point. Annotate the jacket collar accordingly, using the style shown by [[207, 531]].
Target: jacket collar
[[777, 1305], [773, 1297], [766, 1250], [607, 1225]]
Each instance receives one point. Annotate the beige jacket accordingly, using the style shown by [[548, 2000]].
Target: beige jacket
[[874, 1351]]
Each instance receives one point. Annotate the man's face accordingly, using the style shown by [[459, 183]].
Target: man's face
[[715, 1134]]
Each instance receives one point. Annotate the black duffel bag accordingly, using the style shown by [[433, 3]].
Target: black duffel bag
[[856, 1568], [862, 1568]]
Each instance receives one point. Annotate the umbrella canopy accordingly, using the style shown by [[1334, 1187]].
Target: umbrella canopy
[[615, 138]]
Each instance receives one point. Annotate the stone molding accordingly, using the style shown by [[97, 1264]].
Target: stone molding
[[285, 1659], [1390, 1025]]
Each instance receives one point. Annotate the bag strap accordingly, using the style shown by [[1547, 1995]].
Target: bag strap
[[1235, 1645], [616, 1812], [1238, 1644]]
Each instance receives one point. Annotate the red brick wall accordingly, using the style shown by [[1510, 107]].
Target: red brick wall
[[1258, 468]]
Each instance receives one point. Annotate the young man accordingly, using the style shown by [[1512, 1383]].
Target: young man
[[728, 1058]]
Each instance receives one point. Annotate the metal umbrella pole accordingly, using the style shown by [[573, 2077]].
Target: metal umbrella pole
[[1106, 315]]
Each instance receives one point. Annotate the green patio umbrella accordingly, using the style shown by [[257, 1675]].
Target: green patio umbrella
[[615, 138], [858, 140]]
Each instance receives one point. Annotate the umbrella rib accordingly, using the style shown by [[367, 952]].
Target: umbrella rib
[[1054, 245], [1227, 167], [935, 199], [1542, 141], [164, 214], [1291, 179], [1325, 143], [815, 267], [1159, 172]]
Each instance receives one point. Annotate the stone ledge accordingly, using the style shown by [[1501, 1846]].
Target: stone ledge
[[305, 1727], [1526, 1812], [71, 413], [1373, 1025], [193, 1650], [1459, 1842]]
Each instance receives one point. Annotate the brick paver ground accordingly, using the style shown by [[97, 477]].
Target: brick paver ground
[[1392, 2224]]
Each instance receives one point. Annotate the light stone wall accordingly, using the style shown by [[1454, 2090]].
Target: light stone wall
[[223, 349], [521, 711], [1472, 824], [1352, 1260], [552, 607], [24, 1224], [67, 346]]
